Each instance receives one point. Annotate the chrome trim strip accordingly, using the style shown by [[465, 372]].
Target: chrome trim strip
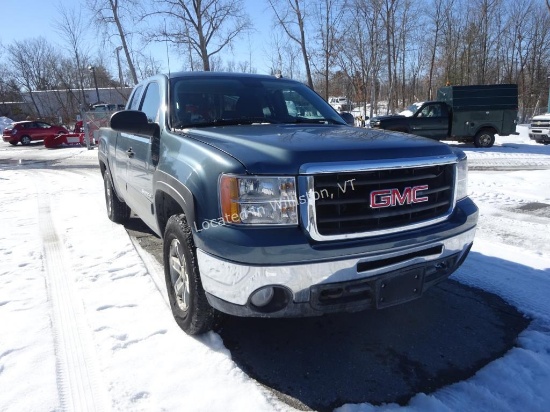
[[308, 212], [234, 282], [368, 165]]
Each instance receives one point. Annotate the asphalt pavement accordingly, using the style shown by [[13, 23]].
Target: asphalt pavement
[[385, 356]]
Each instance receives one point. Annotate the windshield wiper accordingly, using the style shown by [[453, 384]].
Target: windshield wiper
[[316, 121]]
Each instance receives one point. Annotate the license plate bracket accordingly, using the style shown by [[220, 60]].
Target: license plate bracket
[[399, 288]]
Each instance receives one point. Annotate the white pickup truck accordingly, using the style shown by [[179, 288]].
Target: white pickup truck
[[540, 128]]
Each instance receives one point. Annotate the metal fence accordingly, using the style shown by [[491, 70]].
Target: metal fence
[[91, 122]]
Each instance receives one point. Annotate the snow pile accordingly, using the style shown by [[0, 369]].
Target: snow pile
[[4, 122], [56, 242]]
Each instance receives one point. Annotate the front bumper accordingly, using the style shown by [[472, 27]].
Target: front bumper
[[539, 138], [314, 288]]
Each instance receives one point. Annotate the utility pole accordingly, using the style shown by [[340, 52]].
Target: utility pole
[[92, 69], [120, 79]]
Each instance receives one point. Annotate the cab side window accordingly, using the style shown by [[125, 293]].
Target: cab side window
[[433, 110], [151, 102]]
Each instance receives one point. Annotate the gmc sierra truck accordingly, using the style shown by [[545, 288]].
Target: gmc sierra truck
[[463, 113], [270, 205]]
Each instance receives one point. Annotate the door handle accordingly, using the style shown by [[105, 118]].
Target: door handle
[[130, 152]]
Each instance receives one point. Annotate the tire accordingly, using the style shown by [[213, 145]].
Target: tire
[[25, 140], [13, 142], [484, 138], [117, 211], [188, 302]]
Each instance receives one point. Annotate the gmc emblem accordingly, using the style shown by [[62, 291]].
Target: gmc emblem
[[393, 197]]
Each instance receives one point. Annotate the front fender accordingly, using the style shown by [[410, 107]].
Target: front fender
[[172, 196]]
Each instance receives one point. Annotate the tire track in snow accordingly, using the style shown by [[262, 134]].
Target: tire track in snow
[[77, 370]]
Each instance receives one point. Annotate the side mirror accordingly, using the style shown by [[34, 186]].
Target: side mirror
[[133, 122]]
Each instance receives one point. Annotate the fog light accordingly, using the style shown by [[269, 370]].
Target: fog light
[[262, 296]]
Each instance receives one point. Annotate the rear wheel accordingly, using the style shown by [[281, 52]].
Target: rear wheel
[[25, 140], [117, 211], [484, 138], [188, 302]]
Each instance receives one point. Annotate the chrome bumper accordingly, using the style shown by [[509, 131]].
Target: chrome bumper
[[234, 283]]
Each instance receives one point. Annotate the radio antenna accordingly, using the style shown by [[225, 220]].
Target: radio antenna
[[166, 42]]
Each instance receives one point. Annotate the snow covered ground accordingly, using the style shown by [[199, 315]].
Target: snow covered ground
[[84, 323]]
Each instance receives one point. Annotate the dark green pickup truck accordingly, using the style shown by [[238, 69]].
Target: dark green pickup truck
[[463, 113], [269, 204]]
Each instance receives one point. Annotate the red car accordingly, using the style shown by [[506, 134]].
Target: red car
[[29, 131]]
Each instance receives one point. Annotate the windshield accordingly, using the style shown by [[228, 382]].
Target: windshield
[[202, 102], [409, 111]]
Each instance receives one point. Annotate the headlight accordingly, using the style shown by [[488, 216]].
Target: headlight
[[462, 178], [258, 200]]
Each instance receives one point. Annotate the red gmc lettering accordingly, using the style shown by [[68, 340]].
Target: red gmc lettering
[[392, 197]]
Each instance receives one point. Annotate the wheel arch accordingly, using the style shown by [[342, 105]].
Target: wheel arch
[[171, 198], [104, 168], [487, 127]]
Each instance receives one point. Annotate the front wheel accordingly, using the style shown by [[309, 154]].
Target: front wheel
[[117, 211], [188, 302], [484, 138]]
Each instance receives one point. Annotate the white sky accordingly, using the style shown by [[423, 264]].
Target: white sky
[[70, 275]]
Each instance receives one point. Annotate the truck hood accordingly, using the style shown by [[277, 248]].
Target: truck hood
[[284, 149]]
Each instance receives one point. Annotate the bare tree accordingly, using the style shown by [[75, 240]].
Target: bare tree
[[33, 66], [388, 17], [71, 26], [9, 92], [363, 50], [291, 15], [111, 12], [202, 27], [436, 17], [409, 20], [147, 66], [451, 40], [329, 15], [283, 56]]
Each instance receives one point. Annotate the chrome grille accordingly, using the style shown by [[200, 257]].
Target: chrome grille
[[350, 203], [540, 123]]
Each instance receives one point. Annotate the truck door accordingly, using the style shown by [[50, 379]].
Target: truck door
[[140, 163], [123, 141], [431, 120]]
